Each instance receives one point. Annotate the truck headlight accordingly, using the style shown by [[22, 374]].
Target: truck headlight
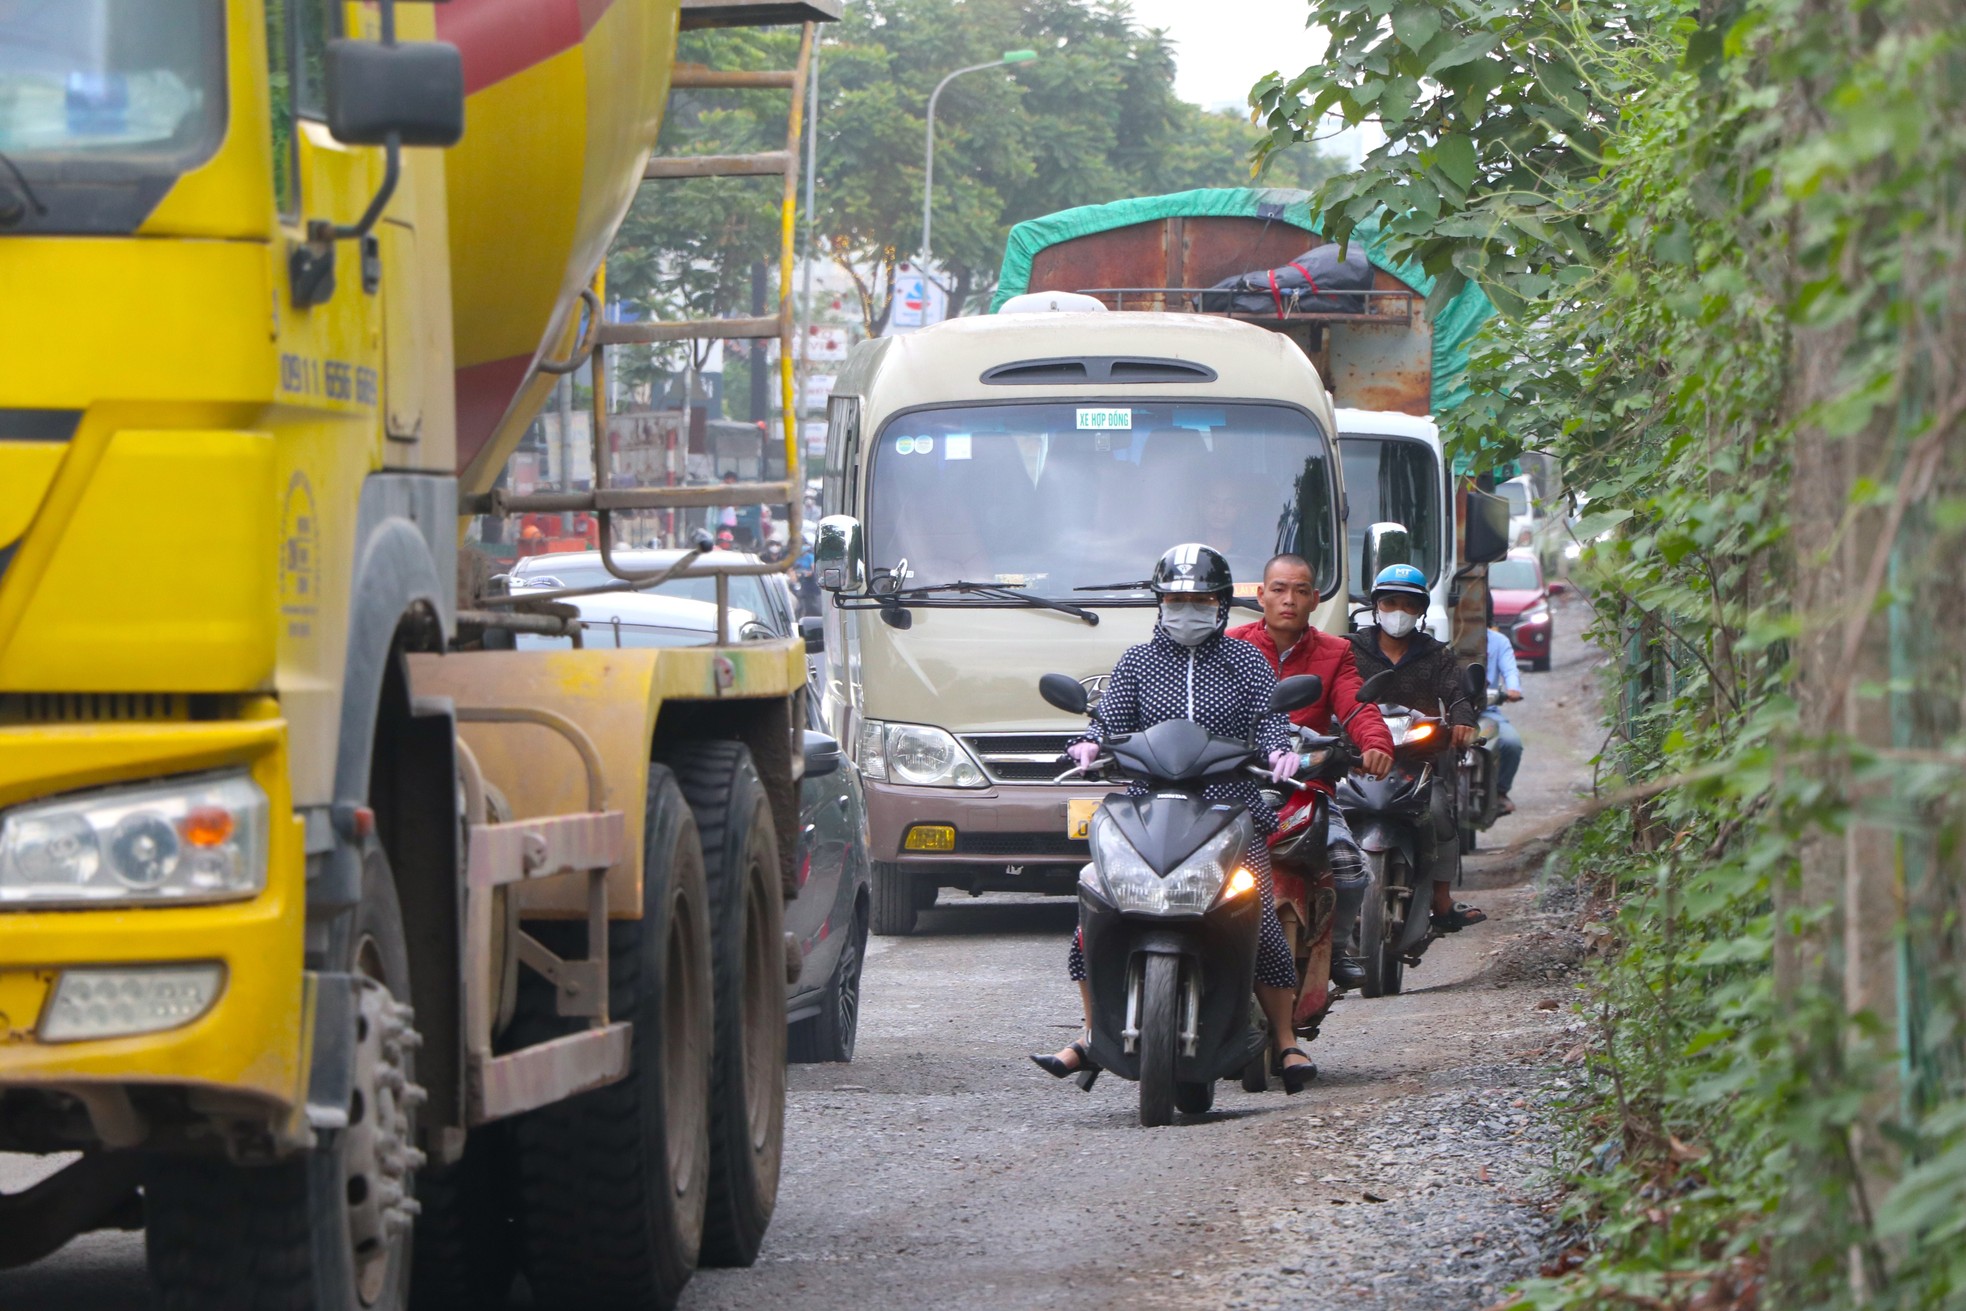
[[189, 840], [917, 754], [1190, 888]]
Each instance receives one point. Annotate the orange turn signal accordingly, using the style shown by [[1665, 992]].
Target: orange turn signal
[[1240, 882], [1419, 732], [206, 826]]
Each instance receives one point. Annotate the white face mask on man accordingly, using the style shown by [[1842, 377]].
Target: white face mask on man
[[1189, 623], [1397, 623]]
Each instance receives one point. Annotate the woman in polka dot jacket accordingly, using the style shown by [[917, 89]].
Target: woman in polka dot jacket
[[1190, 670]]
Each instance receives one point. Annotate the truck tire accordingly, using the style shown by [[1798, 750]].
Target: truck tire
[[829, 1035], [467, 1236], [894, 900], [1160, 1017], [327, 1230], [747, 933], [613, 1183]]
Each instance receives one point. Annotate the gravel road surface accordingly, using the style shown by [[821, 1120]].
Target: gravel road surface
[[942, 1168]]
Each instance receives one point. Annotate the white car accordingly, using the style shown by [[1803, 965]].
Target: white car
[[682, 612]]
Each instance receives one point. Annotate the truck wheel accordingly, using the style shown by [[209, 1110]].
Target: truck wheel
[[747, 1095], [829, 1035], [1372, 941], [894, 901], [1160, 986], [330, 1229], [613, 1182], [927, 890]]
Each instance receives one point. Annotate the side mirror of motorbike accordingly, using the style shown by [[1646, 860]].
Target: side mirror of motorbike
[[1373, 686], [1474, 680], [1384, 544], [1296, 692], [1064, 692], [813, 629]]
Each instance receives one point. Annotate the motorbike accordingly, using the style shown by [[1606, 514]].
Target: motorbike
[[1300, 868], [1480, 801], [1168, 913], [1396, 924]]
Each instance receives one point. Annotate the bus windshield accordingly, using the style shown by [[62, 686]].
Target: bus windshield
[[1390, 480], [1054, 497]]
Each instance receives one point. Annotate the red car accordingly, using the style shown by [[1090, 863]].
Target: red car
[[1522, 607]]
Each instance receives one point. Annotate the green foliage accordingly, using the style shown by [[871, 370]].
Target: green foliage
[[1728, 247], [1093, 119]]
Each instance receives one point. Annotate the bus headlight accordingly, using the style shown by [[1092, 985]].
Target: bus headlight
[[918, 754], [189, 840]]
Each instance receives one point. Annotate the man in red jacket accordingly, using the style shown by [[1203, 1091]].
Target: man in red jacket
[[1285, 637]]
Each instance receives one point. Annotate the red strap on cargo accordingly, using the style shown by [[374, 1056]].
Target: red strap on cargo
[[1274, 296]]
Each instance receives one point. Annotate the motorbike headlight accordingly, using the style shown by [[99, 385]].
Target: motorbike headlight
[[1397, 726], [196, 839], [916, 753], [1191, 888]]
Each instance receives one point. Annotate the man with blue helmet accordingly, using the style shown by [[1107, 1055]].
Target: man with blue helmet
[[1426, 677]]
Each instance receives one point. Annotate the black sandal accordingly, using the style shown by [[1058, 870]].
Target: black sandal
[[1087, 1070], [1459, 918], [1295, 1077]]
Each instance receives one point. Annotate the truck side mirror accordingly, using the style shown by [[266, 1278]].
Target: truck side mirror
[[1487, 528], [1296, 692], [414, 90], [1064, 692], [1384, 544], [837, 553]]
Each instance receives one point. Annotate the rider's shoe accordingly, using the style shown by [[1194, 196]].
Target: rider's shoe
[[1347, 971], [1087, 1069], [1295, 1077]]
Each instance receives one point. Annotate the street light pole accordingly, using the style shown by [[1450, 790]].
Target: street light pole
[[928, 155]]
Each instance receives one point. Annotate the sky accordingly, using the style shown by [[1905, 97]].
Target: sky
[[1223, 46]]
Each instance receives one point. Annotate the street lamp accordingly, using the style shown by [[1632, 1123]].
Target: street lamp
[[928, 159]]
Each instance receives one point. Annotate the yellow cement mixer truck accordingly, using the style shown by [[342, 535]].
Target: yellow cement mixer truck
[[359, 958]]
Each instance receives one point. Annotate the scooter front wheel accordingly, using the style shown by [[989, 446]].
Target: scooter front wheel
[[1375, 939], [1160, 1020]]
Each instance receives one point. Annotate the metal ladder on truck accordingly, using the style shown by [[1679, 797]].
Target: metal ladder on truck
[[588, 843], [604, 502]]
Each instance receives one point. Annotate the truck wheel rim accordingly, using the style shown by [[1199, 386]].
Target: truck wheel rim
[[378, 1156], [761, 971]]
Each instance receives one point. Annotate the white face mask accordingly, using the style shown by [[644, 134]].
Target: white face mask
[[1189, 625], [1397, 623]]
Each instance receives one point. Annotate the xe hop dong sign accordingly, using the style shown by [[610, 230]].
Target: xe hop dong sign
[[1105, 420]]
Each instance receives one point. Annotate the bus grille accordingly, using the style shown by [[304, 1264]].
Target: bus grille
[[1021, 757]]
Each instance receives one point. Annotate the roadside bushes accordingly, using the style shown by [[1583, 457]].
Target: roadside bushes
[[1728, 247]]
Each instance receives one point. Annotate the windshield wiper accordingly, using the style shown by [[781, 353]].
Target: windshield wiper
[[994, 592]]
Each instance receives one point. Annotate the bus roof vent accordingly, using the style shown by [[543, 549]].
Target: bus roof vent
[[1093, 369]]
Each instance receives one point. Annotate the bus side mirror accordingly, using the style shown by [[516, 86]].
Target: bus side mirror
[[1487, 528], [1384, 544], [837, 552]]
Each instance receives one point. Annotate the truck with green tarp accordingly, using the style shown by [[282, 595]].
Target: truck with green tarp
[[1391, 359]]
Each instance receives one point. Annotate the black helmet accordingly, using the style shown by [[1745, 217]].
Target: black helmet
[[1192, 569]]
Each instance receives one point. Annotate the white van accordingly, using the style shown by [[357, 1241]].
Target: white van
[[1046, 461]]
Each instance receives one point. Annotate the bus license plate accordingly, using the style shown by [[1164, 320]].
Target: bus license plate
[[1078, 816]]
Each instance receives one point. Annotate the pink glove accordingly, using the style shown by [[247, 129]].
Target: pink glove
[[1283, 764], [1083, 753]]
